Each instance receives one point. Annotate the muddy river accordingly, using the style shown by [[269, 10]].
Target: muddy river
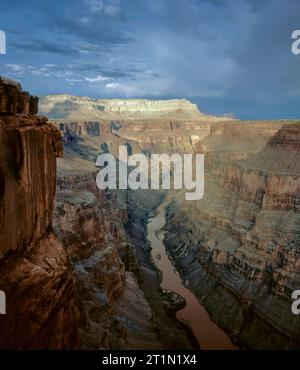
[[209, 335]]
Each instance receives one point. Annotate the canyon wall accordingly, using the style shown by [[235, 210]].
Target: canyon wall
[[163, 136], [35, 272], [170, 124], [238, 248]]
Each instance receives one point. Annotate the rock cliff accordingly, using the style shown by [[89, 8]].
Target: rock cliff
[[35, 273]]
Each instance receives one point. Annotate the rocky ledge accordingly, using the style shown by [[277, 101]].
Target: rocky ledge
[[13, 100]]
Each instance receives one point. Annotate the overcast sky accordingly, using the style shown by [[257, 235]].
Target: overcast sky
[[228, 56]]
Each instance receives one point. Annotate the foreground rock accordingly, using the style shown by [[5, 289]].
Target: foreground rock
[[34, 270]]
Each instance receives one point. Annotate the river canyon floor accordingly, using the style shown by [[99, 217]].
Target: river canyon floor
[[208, 334]]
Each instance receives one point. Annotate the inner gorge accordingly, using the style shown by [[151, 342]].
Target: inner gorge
[[208, 334]]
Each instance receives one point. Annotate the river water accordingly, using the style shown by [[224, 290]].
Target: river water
[[209, 335]]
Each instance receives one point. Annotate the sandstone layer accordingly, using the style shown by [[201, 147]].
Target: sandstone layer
[[35, 272], [14, 100]]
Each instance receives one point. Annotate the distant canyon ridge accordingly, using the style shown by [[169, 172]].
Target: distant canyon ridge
[[73, 107]]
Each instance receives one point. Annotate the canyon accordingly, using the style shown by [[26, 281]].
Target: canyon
[[237, 248], [78, 264], [104, 234]]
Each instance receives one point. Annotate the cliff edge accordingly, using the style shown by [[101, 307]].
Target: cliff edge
[[34, 270]]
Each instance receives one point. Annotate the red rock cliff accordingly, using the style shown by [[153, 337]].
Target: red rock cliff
[[34, 270]]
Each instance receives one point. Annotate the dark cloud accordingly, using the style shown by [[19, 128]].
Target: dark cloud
[[94, 68], [6, 5], [101, 22], [93, 29], [34, 46], [257, 5]]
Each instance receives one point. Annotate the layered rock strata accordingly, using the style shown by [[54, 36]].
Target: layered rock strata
[[35, 272], [238, 248]]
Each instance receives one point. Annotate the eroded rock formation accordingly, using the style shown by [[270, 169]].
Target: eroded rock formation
[[34, 270], [14, 100]]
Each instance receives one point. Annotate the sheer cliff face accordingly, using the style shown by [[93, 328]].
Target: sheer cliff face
[[239, 246], [163, 136], [35, 274]]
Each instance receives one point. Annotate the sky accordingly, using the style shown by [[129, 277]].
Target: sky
[[230, 57]]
